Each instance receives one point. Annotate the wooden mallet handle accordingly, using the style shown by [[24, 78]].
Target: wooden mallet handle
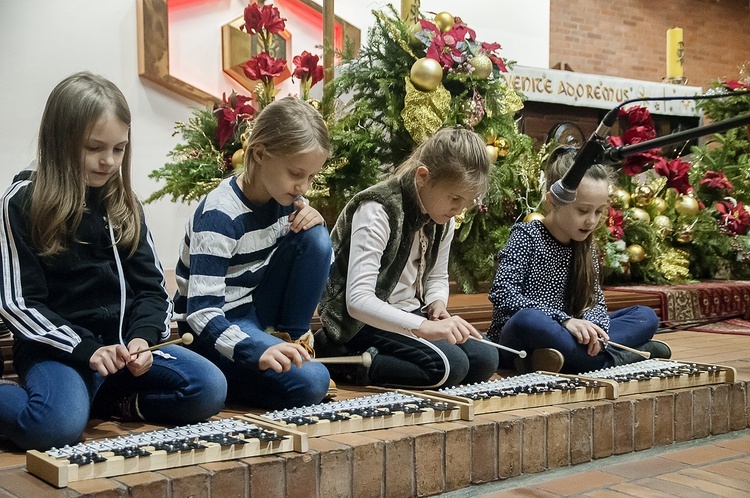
[[186, 339], [363, 359], [645, 354]]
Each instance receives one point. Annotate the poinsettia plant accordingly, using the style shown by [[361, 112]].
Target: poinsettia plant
[[307, 71]]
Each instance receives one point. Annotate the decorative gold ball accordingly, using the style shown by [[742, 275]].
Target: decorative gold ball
[[686, 205], [444, 21], [643, 195], [482, 66], [492, 151], [636, 253], [238, 158], [639, 214], [659, 205], [533, 216], [503, 146], [621, 198], [426, 74], [315, 103], [662, 224], [490, 135], [684, 235]]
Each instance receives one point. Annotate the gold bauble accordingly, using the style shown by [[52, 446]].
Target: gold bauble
[[639, 214], [662, 224], [503, 146], [490, 136], [643, 195], [473, 112], [686, 205], [659, 205], [482, 66], [636, 253], [238, 158], [684, 235], [492, 152], [533, 216], [426, 74], [315, 103], [444, 21], [621, 198]]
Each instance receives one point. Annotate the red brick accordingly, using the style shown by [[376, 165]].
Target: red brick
[[188, 481], [664, 418], [228, 478], [368, 465], [457, 455], [22, 484], [145, 484], [429, 458], [683, 415], [399, 462], [267, 476], [101, 488], [509, 444], [483, 448], [581, 430], [335, 466], [558, 437], [701, 412], [534, 437], [719, 403], [643, 422], [623, 425], [737, 406], [302, 474], [603, 429]]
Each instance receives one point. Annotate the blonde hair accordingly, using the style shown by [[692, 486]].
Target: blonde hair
[[455, 155], [580, 294], [59, 182], [287, 127]]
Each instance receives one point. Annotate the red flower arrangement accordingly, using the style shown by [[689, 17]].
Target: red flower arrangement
[[737, 85], [676, 172], [231, 112], [264, 22], [308, 71], [733, 217], [457, 45], [615, 223], [640, 129], [717, 180]]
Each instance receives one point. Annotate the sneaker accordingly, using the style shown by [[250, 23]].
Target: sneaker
[[658, 349], [546, 359]]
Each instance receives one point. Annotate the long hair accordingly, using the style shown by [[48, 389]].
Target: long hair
[[287, 127], [59, 183], [580, 294], [456, 155]]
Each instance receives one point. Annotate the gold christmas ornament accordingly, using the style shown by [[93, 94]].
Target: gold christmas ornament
[[643, 195], [424, 112], [238, 158], [636, 253], [492, 152], [684, 235], [426, 74], [473, 113], [533, 216], [503, 146], [686, 205], [315, 103], [639, 214], [621, 198], [482, 66], [659, 205], [662, 224], [490, 135], [444, 21]]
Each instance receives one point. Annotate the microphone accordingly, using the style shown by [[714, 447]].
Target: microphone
[[563, 191]]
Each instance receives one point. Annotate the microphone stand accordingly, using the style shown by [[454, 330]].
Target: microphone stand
[[616, 154]]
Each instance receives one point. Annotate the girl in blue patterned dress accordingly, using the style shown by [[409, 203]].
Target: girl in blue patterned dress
[[546, 294]]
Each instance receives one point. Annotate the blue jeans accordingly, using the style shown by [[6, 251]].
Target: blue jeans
[[285, 300], [531, 329], [53, 407]]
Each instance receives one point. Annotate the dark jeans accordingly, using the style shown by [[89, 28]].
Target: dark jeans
[[530, 329]]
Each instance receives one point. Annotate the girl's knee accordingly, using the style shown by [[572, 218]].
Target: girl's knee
[[309, 387], [525, 318], [45, 433], [316, 239]]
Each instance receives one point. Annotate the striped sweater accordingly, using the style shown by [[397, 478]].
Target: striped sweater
[[223, 257], [65, 308]]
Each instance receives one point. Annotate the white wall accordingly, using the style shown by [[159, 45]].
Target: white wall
[[43, 41]]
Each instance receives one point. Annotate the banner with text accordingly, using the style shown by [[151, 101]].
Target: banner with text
[[601, 92]]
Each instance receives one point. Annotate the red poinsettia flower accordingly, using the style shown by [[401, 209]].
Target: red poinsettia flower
[[259, 18], [717, 180], [489, 50], [733, 217], [676, 172], [614, 222], [228, 113], [443, 49], [263, 68], [637, 116], [306, 66], [460, 30], [737, 85]]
